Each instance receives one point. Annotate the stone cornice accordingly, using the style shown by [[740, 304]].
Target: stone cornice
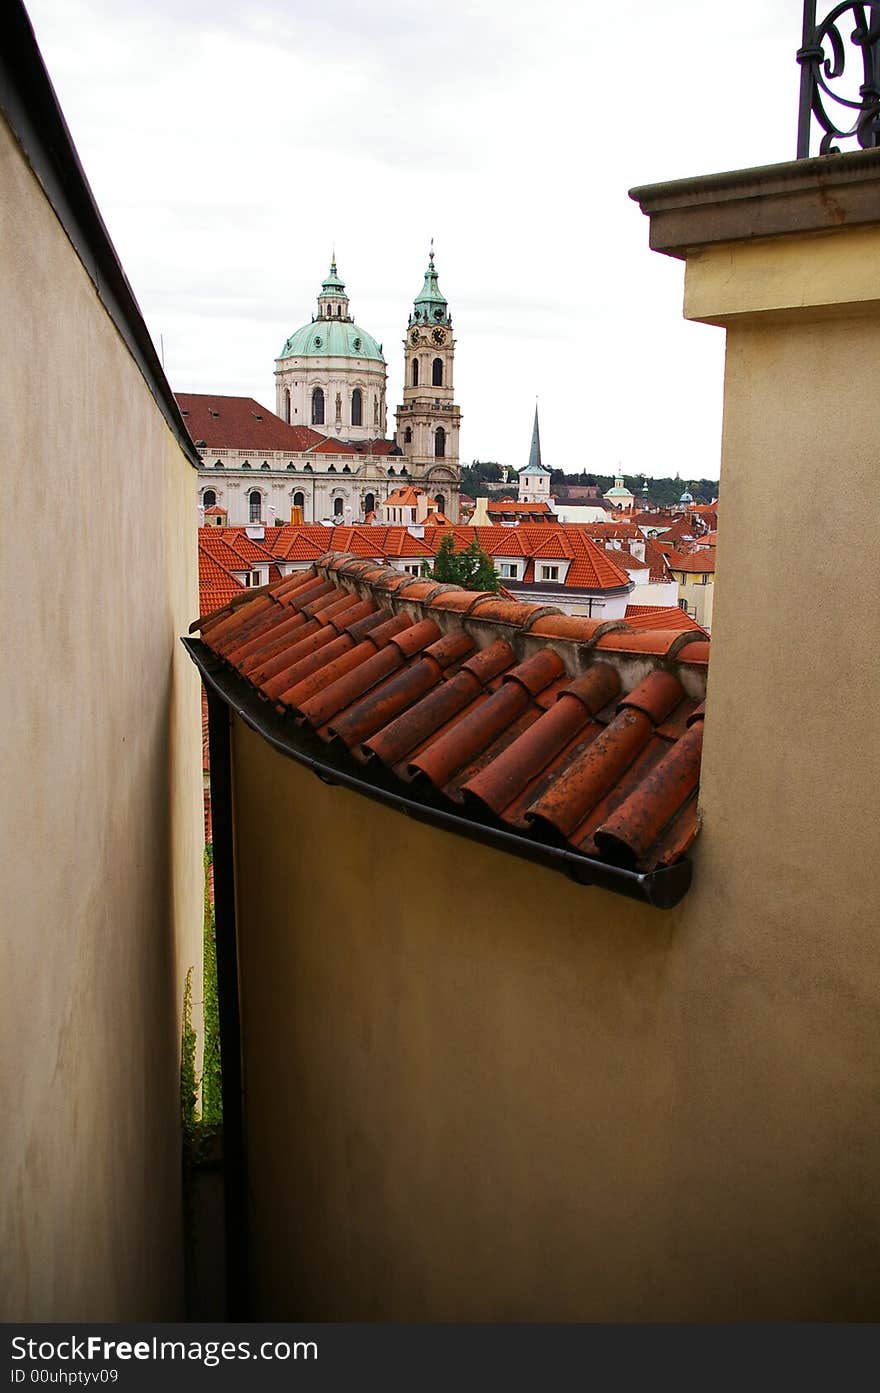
[[802, 196]]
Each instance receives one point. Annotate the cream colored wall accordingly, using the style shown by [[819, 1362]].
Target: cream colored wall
[[700, 598], [101, 809], [477, 1091]]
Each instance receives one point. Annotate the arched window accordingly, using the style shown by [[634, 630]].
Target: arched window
[[369, 503], [218, 464], [307, 469], [441, 502], [437, 373], [255, 505], [246, 464], [299, 500], [415, 372], [331, 468], [287, 405], [357, 407], [265, 464], [291, 465], [407, 436], [439, 443], [317, 407], [337, 507], [338, 311], [209, 499]]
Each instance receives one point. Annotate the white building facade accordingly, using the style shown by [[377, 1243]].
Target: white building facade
[[324, 450]]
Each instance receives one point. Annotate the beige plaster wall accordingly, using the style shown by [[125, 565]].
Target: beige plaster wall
[[477, 1091], [101, 808]]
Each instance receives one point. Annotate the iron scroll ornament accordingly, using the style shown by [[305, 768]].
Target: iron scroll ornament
[[823, 58]]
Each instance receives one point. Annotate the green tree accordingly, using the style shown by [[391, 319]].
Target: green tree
[[477, 473], [470, 568]]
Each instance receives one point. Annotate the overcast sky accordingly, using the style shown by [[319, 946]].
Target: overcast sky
[[230, 146]]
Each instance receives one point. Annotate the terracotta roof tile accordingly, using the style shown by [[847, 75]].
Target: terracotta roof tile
[[700, 562], [532, 719], [240, 423], [217, 585], [661, 617]]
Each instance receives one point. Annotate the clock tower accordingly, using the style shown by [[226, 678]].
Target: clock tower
[[428, 421]]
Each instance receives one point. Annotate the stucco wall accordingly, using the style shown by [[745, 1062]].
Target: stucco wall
[[477, 1091], [101, 808]]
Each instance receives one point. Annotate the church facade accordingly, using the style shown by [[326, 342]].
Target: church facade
[[325, 450]]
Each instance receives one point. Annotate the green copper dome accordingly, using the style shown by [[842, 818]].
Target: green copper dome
[[332, 338], [430, 305], [332, 334]]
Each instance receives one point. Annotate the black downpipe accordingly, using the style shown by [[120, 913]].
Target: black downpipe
[[234, 1156]]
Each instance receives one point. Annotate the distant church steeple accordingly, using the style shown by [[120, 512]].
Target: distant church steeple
[[428, 420], [535, 451], [534, 480]]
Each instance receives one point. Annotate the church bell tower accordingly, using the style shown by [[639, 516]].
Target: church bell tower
[[428, 421]]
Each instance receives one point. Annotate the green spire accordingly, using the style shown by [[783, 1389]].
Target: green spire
[[534, 465], [430, 305], [535, 451]]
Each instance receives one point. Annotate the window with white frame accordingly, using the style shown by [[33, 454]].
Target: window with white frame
[[507, 570], [549, 572], [255, 578], [412, 570]]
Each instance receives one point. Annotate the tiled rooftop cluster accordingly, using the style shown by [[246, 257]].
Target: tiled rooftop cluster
[[572, 732]]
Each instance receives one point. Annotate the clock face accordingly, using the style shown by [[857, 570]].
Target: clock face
[[414, 336], [438, 337]]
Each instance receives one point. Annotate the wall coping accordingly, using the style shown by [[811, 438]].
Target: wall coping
[[801, 196]]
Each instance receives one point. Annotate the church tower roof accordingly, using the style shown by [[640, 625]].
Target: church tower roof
[[430, 304], [534, 465]]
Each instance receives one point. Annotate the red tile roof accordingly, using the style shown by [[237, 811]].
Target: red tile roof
[[235, 539], [573, 732], [240, 423], [700, 562], [216, 585], [405, 496], [661, 617], [331, 447]]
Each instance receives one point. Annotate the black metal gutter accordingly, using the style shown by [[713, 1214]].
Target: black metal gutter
[[29, 103], [661, 888]]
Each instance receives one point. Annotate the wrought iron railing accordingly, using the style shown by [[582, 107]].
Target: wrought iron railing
[[844, 108]]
